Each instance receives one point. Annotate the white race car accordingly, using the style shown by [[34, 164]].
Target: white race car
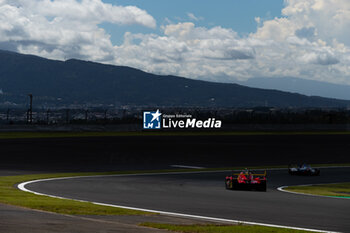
[[303, 170]]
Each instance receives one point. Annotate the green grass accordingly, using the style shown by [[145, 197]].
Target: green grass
[[334, 190], [219, 228], [54, 134]]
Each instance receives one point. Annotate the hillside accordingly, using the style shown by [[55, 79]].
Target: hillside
[[59, 83]]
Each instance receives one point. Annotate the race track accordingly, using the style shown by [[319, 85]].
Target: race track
[[204, 194]]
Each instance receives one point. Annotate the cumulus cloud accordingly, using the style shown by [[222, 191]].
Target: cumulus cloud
[[310, 40], [186, 50], [64, 28], [330, 18], [319, 58]]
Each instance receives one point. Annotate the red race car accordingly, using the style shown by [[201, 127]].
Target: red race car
[[246, 180]]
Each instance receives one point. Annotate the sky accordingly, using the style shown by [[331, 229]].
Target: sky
[[221, 41], [237, 14]]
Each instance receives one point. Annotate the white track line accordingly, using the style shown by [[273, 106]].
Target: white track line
[[282, 189], [22, 187]]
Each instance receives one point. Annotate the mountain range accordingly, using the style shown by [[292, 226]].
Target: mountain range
[[84, 83], [302, 86]]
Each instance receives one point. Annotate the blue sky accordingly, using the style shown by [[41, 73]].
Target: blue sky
[[236, 14]]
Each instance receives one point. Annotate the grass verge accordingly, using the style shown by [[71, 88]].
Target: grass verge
[[333, 190], [219, 228]]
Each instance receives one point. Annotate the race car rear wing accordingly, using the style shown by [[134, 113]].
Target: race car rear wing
[[254, 174]]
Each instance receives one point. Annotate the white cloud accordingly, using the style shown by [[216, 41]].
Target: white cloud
[[323, 58], [64, 28], [310, 41], [330, 18], [91, 11], [186, 50]]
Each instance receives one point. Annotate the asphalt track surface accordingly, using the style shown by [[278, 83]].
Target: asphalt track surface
[[204, 194]]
